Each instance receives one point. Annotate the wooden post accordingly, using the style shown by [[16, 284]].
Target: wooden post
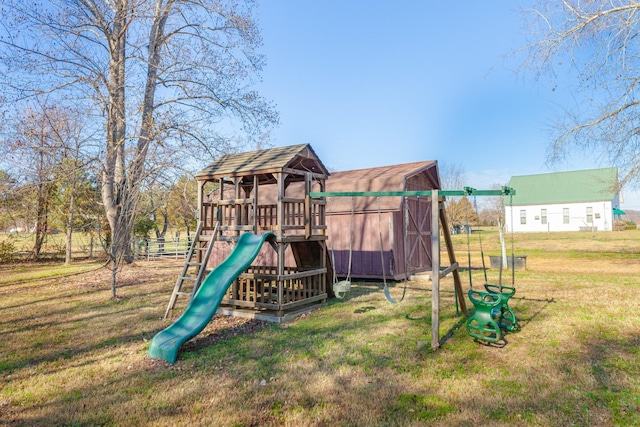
[[223, 210], [323, 211], [256, 211], [308, 223], [202, 218], [452, 260], [327, 277], [237, 209], [281, 177], [435, 270], [405, 249], [200, 212]]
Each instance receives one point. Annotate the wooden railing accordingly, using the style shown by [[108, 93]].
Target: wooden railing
[[258, 287], [241, 215]]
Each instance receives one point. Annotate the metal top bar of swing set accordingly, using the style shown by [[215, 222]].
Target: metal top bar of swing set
[[435, 242], [468, 191]]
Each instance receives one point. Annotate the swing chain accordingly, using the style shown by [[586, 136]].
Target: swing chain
[[387, 294], [513, 256], [353, 211]]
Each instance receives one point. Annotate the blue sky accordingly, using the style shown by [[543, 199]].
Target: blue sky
[[372, 83]]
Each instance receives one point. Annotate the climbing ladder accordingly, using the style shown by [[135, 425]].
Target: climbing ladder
[[195, 265]]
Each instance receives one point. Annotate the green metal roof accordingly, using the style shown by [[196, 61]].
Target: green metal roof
[[590, 185]]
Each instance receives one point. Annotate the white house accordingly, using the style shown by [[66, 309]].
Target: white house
[[564, 201]]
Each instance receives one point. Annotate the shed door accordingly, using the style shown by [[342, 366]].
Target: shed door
[[418, 236]]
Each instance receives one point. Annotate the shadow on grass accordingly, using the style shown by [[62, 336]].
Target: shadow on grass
[[237, 326], [542, 305], [31, 323], [364, 309]]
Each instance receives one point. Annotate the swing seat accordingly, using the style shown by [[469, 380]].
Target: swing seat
[[388, 296], [482, 325], [508, 319], [341, 288]]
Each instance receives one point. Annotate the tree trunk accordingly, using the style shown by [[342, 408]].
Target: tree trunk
[[37, 245], [42, 219], [114, 180], [161, 234], [503, 249], [70, 215], [120, 195], [186, 224], [91, 245]]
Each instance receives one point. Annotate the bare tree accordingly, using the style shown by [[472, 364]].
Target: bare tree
[[75, 195], [452, 177], [44, 148], [32, 152], [157, 74], [156, 196], [598, 41], [182, 203], [10, 202], [65, 127]]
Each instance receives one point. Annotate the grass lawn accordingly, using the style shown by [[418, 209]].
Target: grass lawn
[[70, 355]]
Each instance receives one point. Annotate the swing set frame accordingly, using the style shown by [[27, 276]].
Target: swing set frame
[[438, 217]]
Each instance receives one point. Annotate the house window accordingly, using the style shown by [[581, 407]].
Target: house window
[[523, 216], [565, 215], [589, 215], [543, 216]]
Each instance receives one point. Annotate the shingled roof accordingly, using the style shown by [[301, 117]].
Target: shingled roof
[[383, 178], [299, 157]]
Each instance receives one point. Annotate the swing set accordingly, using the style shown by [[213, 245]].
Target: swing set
[[492, 313], [437, 272]]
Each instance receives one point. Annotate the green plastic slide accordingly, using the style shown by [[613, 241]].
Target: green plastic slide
[[205, 302]]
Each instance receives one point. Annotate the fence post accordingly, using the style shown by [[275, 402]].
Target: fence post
[[136, 250]]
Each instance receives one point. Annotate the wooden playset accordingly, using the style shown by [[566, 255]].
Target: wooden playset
[[289, 192]]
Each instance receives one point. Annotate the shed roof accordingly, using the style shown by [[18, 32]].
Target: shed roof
[[591, 185], [383, 178], [300, 157]]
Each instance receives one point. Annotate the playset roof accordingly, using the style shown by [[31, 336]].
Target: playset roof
[[264, 162]]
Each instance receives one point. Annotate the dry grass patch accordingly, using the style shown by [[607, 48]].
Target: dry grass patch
[[70, 355]]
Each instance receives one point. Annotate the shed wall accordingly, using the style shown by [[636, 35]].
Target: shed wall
[[366, 230], [362, 231]]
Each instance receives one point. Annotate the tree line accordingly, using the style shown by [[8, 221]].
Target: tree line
[[50, 185], [124, 92]]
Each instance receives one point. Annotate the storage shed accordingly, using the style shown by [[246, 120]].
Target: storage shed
[[402, 223]]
